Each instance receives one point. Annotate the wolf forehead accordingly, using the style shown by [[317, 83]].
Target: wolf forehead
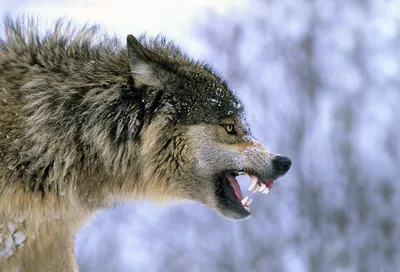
[[197, 92], [206, 99]]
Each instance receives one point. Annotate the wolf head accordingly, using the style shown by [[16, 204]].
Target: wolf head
[[195, 140]]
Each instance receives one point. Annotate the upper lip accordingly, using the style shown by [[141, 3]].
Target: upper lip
[[268, 181]]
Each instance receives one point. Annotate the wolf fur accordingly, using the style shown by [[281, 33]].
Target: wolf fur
[[87, 122]]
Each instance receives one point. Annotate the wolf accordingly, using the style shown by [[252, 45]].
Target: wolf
[[88, 121]]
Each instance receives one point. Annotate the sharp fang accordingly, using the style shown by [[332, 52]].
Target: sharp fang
[[256, 188], [244, 200], [266, 191], [262, 187], [253, 182], [248, 202]]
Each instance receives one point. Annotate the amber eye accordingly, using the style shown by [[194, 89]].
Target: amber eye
[[230, 129]]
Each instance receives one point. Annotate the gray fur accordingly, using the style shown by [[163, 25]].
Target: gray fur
[[86, 122]]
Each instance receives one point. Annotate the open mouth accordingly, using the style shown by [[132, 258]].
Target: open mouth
[[231, 196]]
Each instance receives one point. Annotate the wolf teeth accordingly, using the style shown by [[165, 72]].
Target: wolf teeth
[[253, 182], [256, 188], [248, 202]]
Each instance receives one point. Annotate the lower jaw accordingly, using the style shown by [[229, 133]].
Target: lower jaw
[[235, 213], [229, 205]]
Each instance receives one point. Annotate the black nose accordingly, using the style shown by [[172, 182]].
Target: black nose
[[281, 164]]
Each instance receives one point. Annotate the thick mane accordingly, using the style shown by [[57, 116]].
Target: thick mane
[[64, 74], [64, 48], [88, 42], [25, 33]]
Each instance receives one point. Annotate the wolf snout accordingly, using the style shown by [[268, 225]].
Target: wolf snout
[[281, 164]]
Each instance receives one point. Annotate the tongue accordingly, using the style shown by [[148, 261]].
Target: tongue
[[235, 185]]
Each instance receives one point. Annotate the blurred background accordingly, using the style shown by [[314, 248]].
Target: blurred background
[[321, 83]]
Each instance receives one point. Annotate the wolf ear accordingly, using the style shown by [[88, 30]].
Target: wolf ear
[[143, 70]]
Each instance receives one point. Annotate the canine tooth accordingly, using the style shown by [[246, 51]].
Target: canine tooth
[[248, 202], [266, 191], [262, 187], [244, 200], [256, 188], [253, 182]]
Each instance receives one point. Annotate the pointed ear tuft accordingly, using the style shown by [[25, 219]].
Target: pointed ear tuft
[[143, 70]]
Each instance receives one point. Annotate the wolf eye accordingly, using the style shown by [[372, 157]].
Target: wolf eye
[[230, 129]]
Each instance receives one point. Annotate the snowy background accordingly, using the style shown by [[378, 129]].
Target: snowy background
[[321, 81]]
